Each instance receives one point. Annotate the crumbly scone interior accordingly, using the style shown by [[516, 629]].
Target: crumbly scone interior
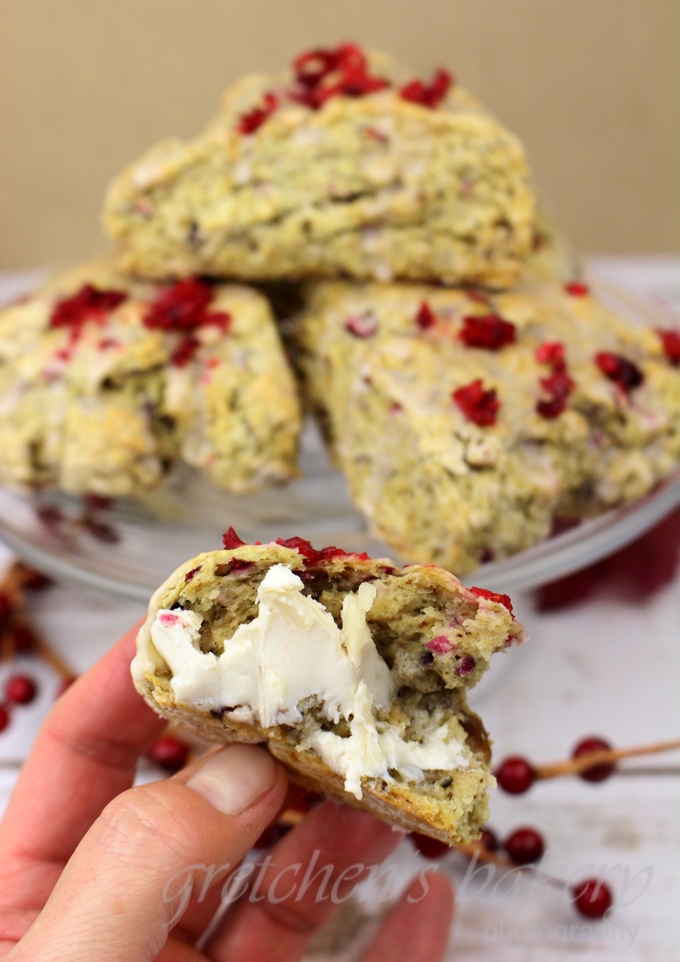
[[429, 693]]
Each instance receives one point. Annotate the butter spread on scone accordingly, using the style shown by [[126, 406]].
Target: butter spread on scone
[[343, 166], [106, 382], [353, 671], [469, 423]]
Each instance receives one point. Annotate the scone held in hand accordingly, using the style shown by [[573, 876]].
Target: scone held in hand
[[353, 671]]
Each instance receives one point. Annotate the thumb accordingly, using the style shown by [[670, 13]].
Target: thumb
[[117, 898]]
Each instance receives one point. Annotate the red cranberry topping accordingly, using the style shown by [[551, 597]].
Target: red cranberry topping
[[430, 847], [428, 95], [313, 556], [20, 690], [466, 666], [515, 775], [4, 718], [272, 834], [425, 317], [671, 344], [253, 120], [488, 839], [552, 353], [525, 846], [189, 576], [558, 386], [183, 307], [577, 289], [592, 898], [490, 332], [185, 351], [477, 405], [441, 644], [623, 372], [321, 74], [365, 325], [493, 596], [89, 303], [238, 565], [598, 773], [231, 540], [169, 753]]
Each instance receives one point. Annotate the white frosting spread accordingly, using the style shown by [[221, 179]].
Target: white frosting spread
[[293, 650]]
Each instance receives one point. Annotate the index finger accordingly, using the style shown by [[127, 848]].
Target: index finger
[[85, 754]]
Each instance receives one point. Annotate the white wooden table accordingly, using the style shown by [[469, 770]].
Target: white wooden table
[[606, 666]]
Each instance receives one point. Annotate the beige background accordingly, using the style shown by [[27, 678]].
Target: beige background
[[593, 87]]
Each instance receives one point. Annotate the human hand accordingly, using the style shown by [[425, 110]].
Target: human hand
[[85, 859]]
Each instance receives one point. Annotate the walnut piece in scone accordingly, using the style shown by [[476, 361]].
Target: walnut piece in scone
[[353, 672], [467, 423], [105, 383], [343, 166]]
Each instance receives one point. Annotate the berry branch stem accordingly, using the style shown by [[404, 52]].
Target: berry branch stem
[[573, 766]]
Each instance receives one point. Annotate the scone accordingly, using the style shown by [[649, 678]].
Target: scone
[[466, 423], [353, 672], [345, 166], [106, 383]]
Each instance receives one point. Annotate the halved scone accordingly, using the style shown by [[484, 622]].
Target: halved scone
[[353, 671]]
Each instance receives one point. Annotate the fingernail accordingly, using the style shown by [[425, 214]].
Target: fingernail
[[234, 779]]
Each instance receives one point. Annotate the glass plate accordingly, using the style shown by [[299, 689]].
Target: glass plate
[[187, 515]]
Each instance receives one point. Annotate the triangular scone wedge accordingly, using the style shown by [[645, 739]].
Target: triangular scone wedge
[[353, 671], [355, 173]]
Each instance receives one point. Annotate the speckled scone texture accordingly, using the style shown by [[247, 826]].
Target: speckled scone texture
[[436, 636], [371, 186], [560, 438], [101, 403]]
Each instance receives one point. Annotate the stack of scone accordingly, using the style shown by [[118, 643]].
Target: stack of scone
[[470, 392]]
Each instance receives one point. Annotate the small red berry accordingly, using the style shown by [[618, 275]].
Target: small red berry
[[428, 95], [488, 839], [525, 846], [231, 540], [492, 596], [430, 847], [169, 753], [515, 775], [478, 405], [365, 325], [4, 718], [20, 690], [671, 344], [598, 773], [577, 289], [490, 332], [425, 317], [592, 898], [619, 369], [253, 120], [552, 353]]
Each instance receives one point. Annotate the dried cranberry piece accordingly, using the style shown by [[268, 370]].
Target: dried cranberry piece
[[552, 353], [623, 372], [365, 325], [189, 576], [493, 596], [89, 303], [310, 68], [239, 565], [184, 351], [428, 95], [477, 405], [466, 667], [490, 332], [180, 307], [250, 122], [346, 66], [425, 317], [441, 645], [303, 547], [577, 289], [559, 386], [671, 344], [231, 540]]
